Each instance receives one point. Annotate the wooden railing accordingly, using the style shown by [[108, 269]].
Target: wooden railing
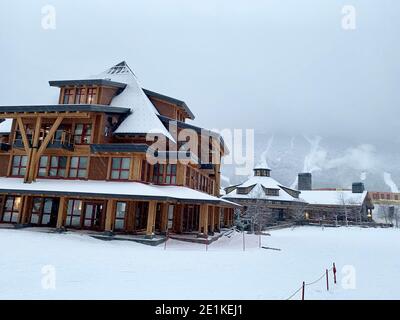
[[62, 138]]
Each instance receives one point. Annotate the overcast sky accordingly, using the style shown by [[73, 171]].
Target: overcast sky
[[276, 66]]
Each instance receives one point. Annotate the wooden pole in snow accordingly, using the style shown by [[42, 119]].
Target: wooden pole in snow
[[334, 273], [302, 291], [327, 280]]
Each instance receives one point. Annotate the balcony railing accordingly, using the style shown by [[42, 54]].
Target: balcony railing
[[62, 139]]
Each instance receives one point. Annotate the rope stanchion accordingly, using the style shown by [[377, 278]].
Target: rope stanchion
[[294, 293], [334, 273], [327, 280], [324, 275]]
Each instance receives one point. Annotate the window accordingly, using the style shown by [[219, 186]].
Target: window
[[41, 211], [68, 93], [158, 170], [120, 168], [74, 211], [262, 172], [141, 213], [164, 174], [80, 96], [83, 133], [271, 192], [78, 167], [57, 166], [42, 172], [170, 177], [244, 190], [11, 209], [120, 216], [91, 96], [19, 166]]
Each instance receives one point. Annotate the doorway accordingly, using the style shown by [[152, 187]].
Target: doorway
[[93, 215]]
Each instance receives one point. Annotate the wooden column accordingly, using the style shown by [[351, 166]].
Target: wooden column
[[33, 161], [151, 219], [203, 225], [24, 210], [212, 219], [178, 212], [62, 212], [164, 217], [130, 220], [110, 212], [219, 219]]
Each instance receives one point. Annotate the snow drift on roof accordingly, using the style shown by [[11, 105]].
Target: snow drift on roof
[[130, 189], [258, 192], [5, 126], [333, 197], [144, 116]]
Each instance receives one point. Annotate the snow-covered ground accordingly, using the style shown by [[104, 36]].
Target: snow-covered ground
[[86, 268]]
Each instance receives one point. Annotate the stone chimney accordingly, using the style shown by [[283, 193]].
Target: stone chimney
[[357, 187], [304, 182]]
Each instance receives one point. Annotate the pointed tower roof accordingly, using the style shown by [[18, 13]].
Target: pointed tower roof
[[144, 116]]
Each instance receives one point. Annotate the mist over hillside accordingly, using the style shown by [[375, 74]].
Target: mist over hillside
[[333, 162]]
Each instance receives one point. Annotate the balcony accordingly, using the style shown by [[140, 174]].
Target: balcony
[[4, 146], [18, 142], [62, 139]]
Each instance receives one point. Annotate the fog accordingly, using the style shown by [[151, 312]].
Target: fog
[[281, 66]]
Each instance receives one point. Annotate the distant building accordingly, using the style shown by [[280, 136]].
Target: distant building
[[265, 201], [331, 204], [386, 206]]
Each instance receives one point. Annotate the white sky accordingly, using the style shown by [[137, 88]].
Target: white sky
[[278, 65]]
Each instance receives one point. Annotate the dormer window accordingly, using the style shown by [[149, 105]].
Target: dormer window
[[244, 190], [68, 94], [80, 97], [91, 96], [271, 192]]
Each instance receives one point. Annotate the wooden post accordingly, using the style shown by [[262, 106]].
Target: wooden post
[[334, 273], [25, 205], [302, 290], [62, 212], [33, 161], [203, 221], [164, 217], [151, 219], [327, 280], [212, 223], [108, 228]]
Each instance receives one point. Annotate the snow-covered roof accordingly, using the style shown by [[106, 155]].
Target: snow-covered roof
[[144, 116], [104, 188], [333, 197], [257, 192], [5, 126]]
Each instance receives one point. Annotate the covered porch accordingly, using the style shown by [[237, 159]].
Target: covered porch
[[112, 214]]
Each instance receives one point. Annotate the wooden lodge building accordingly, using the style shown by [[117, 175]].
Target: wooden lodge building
[[267, 202], [80, 163], [264, 200]]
